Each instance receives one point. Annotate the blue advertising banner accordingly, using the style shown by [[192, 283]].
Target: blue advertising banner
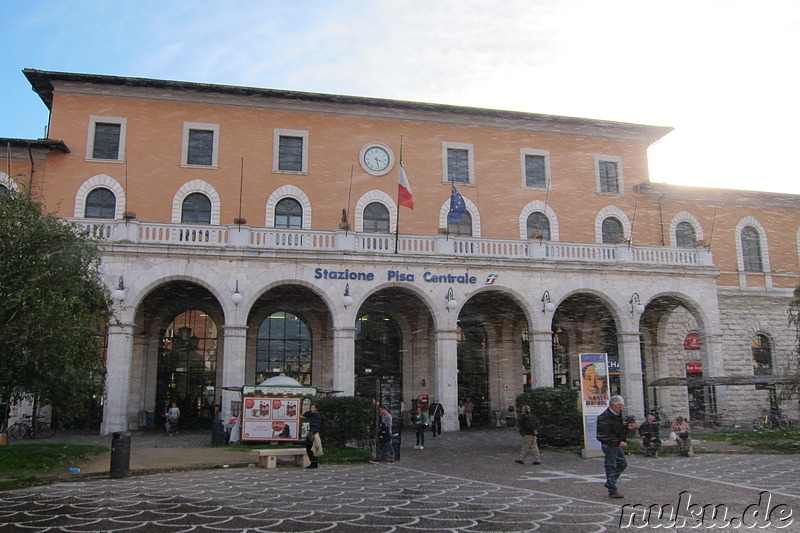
[[594, 395]]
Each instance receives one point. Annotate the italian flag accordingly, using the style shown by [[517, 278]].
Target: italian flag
[[404, 196]]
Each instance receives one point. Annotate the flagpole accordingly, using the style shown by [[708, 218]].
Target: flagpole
[[397, 225]]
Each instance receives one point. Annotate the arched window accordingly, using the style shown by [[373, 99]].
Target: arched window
[[196, 209], [288, 214], [685, 235], [376, 218], [100, 203], [462, 226], [751, 250], [539, 224], [612, 230], [283, 347], [761, 349]]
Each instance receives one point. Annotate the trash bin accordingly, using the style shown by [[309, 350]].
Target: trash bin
[[120, 454], [150, 420]]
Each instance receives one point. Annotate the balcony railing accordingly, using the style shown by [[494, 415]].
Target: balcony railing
[[241, 236]]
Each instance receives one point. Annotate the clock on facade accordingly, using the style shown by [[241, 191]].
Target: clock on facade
[[376, 158]]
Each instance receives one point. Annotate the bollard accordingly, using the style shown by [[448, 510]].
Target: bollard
[[120, 454]]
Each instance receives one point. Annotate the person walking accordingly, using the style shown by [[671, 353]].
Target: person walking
[[313, 441], [435, 414], [384, 438], [173, 416], [469, 408], [612, 432], [529, 429], [420, 423]]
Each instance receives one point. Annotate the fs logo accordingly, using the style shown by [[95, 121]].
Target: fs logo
[[491, 278]]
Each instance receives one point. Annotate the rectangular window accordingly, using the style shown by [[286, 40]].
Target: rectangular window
[[106, 139], [534, 171], [535, 168], [608, 173], [290, 151], [200, 147], [458, 164]]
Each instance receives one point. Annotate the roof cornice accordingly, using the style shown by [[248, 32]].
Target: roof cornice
[[42, 83]]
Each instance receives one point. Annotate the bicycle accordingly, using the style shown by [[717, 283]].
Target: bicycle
[[718, 420], [661, 418], [771, 419], [26, 427]]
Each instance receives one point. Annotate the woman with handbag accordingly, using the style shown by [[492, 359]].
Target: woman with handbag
[[683, 435], [420, 422]]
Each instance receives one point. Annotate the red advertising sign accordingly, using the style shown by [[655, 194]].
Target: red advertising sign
[[692, 342], [694, 368]]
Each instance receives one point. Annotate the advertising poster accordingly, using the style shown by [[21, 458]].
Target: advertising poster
[[269, 414], [594, 395]]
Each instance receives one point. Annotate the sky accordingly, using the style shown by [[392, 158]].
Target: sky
[[723, 73]]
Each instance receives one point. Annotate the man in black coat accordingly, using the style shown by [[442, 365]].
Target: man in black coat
[[612, 432], [314, 426], [529, 429], [651, 440]]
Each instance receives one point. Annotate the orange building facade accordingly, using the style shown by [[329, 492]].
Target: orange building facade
[[248, 233]]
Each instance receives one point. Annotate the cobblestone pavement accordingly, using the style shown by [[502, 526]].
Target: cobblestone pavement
[[465, 481]]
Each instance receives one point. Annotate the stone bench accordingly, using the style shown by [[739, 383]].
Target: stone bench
[[269, 458]]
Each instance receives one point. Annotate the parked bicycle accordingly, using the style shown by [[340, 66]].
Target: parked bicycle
[[26, 427], [660, 417], [772, 419], [718, 420]]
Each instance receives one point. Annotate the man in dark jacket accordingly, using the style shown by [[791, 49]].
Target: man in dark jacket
[[651, 440], [611, 432], [314, 426], [529, 429]]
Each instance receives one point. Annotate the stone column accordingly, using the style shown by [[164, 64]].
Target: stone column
[[630, 367], [233, 366], [447, 376], [344, 360], [541, 347], [118, 379]]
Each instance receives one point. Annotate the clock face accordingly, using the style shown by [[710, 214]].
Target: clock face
[[376, 159]]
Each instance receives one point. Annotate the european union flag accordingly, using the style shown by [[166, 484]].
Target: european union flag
[[457, 206]]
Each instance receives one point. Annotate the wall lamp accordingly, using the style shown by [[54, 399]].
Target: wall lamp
[[636, 305], [347, 300], [452, 303], [547, 304], [119, 292], [236, 297]]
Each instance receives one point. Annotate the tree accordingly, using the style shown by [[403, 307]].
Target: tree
[[793, 370], [53, 306]]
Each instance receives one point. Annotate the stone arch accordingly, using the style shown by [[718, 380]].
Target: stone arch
[[743, 223], [201, 187], [684, 216], [611, 211], [287, 191], [8, 181], [532, 207], [375, 196], [100, 180], [471, 208]]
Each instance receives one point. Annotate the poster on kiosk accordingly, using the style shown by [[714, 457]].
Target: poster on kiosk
[[272, 413], [594, 397]]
